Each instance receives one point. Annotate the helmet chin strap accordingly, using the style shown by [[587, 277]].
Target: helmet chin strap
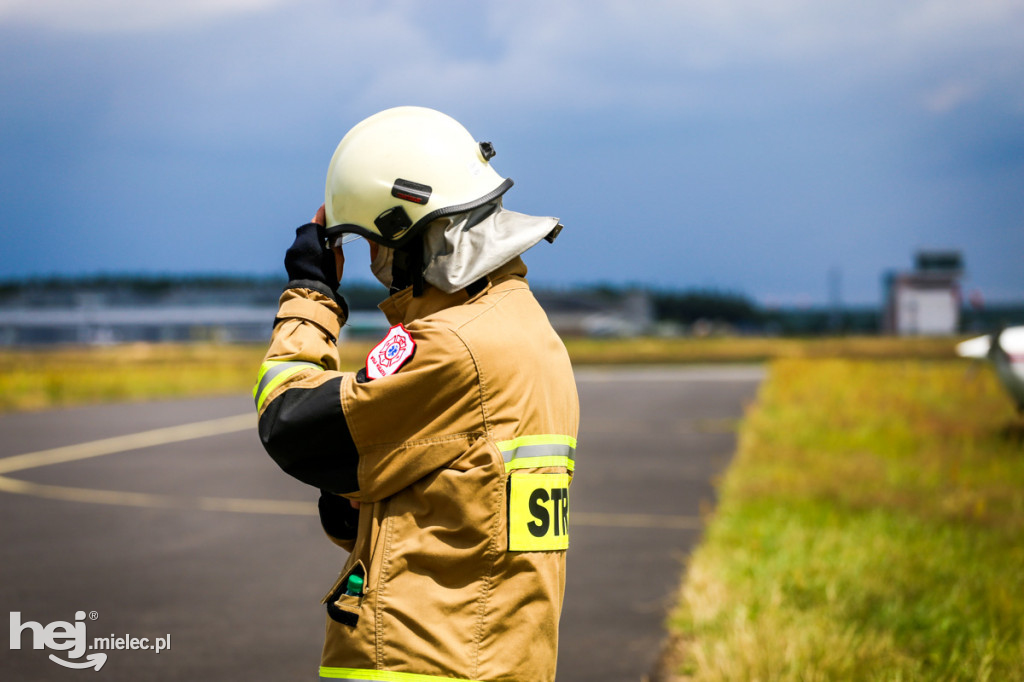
[[407, 268]]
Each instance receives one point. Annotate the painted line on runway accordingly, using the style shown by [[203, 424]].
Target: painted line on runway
[[137, 441], [153, 501], [134, 441], [216, 427], [292, 508]]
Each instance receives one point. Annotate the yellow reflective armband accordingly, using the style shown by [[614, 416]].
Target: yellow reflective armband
[[538, 512]]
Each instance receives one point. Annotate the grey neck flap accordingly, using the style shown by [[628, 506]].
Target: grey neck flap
[[463, 248]]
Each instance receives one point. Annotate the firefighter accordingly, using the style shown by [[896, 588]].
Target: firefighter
[[444, 464]]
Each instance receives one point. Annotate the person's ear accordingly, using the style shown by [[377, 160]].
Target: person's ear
[[339, 261]]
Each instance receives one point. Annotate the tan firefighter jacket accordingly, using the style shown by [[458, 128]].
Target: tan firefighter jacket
[[461, 462]]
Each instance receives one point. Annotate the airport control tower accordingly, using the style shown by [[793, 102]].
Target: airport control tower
[[925, 301]]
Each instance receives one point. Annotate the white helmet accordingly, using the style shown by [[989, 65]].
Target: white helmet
[[398, 170]]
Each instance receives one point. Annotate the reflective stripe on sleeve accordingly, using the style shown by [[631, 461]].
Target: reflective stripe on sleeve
[[273, 373], [362, 675], [546, 450]]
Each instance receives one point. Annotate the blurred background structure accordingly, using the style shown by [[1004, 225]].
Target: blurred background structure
[[927, 299], [106, 310]]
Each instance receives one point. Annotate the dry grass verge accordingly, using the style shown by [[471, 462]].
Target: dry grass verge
[[870, 528]]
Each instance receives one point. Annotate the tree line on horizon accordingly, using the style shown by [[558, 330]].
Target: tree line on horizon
[[685, 306]]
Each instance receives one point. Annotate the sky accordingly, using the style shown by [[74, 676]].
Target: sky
[[790, 151]]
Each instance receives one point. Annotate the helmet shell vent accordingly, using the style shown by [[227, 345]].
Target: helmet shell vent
[[408, 190]]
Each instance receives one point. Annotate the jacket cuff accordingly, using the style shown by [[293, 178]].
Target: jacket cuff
[[319, 312], [322, 288]]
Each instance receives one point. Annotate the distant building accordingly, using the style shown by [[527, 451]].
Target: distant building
[[577, 313], [102, 325], [925, 301], [126, 310]]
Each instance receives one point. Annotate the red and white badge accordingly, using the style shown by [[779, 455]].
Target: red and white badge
[[388, 356]]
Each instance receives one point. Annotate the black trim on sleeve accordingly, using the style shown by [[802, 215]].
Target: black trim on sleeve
[[337, 516], [321, 287], [305, 432]]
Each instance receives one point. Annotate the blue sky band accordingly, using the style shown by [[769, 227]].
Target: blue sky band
[[732, 124]]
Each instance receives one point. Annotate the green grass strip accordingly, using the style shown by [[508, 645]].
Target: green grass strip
[[870, 528], [42, 378]]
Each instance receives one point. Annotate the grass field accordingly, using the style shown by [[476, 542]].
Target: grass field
[[754, 349], [40, 379], [871, 527]]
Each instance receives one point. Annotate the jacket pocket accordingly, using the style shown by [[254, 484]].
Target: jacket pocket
[[345, 598]]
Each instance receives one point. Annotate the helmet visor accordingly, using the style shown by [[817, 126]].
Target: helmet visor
[[343, 239]]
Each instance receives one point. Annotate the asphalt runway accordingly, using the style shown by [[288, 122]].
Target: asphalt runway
[[166, 522]]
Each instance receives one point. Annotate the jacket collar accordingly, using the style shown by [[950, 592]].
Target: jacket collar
[[404, 308]]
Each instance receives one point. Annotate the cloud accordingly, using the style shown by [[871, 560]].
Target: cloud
[[842, 129], [948, 96], [677, 56], [228, 71], [650, 57], [124, 16]]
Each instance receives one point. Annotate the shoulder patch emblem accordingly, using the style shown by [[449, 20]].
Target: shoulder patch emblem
[[388, 356]]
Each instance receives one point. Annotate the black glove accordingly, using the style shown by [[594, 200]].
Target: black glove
[[309, 260], [338, 518]]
